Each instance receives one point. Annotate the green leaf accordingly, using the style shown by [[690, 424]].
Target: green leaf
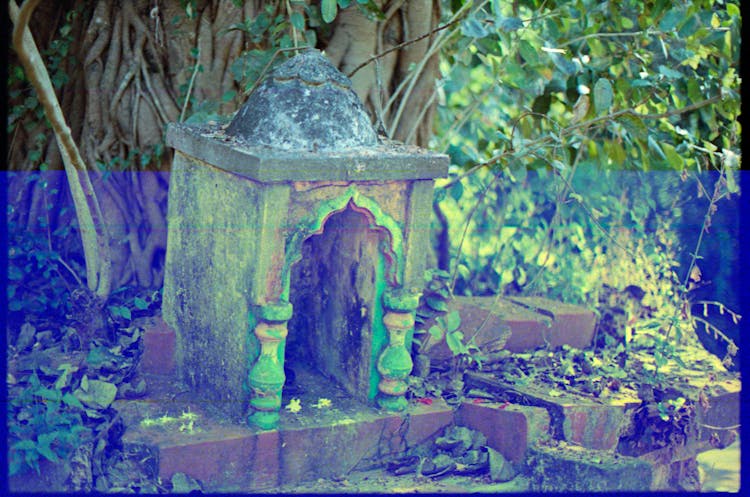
[[635, 126], [455, 342], [670, 73], [472, 28], [140, 304], [23, 445], [100, 394], [508, 23], [14, 273], [452, 321], [328, 10], [72, 401], [436, 303], [436, 332], [120, 310], [674, 159], [43, 446], [457, 191], [529, 53], [298, 21], [603, 95], [48, 394], [671, 19]]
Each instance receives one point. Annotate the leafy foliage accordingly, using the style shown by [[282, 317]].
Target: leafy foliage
[[40, 271], [555, 101]]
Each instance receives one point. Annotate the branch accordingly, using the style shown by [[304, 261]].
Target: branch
[[93, 231], [631, 112], [402, 45], [607, 35]]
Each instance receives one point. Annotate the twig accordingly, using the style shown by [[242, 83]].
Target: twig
[[466, 226], [402, 45], [190, 85], [711, 427]]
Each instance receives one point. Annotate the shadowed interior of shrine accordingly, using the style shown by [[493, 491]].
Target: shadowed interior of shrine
[[335, 292]]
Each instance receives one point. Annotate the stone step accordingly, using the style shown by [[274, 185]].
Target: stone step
[[571, 432], [532, 321], [228, 456]]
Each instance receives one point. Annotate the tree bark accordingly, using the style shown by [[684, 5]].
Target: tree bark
[[129, 68]]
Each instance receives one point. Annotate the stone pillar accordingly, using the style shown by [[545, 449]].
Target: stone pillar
[[266, 377], [395, 364]]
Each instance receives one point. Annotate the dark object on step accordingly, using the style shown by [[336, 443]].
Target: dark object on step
[[474, 462], [290, 376], [291, 386], [439, 466], [403, 465]]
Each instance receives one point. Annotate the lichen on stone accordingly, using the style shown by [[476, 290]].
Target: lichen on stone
[[305, 104]]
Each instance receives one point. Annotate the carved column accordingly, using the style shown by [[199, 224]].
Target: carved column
[[266, 377], [395, 364]]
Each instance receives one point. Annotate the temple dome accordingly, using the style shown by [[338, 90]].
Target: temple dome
[[304, 104]]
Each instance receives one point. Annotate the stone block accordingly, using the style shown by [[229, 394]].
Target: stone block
[[594, 426], [510, 429], [720, 420], [532, 321], [488, 320], [231, 457], [158, 347], [571, 324], [570, 468]]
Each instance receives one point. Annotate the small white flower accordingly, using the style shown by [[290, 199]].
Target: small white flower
[[294, 406]]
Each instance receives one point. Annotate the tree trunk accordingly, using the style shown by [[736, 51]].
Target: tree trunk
[[127, 70]]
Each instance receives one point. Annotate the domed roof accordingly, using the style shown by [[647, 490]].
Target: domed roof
[[304, 104]]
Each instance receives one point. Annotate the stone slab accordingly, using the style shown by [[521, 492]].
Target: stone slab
[[219, 453], [510, 429], [571, 324], [383, 162], [571, 468], [594, 426], [720, 420], [158, 346], [588, 422], [532, 321]]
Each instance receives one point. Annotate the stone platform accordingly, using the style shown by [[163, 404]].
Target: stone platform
[[332, 435]]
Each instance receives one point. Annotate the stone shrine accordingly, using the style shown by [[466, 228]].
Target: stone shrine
[[295, 232]]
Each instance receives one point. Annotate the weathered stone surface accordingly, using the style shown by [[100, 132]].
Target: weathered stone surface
[[232, 457], [720, 420], [304, 104], [254, 201], [571, 324], [385, 161], [214, 225], [532, 322], [570, 468], [594, 426], [510, 429], [158, 346]]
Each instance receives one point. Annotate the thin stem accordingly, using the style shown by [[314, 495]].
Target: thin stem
[[190, 85], [402, 45], [466, 226]]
